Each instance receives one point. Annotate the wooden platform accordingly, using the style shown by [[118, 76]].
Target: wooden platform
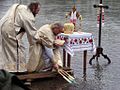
[[35, 75]]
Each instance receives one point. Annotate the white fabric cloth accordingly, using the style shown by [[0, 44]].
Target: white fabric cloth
[[73, 16], [16, 17], [78, 41]]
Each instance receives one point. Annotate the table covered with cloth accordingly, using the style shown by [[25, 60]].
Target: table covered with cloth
[[78, 41]]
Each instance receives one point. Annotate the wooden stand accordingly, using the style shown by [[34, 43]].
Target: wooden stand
[[67, 61], [99, 49]]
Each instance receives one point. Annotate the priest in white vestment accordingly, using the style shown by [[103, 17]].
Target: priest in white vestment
[[18, 20], [46, 37]]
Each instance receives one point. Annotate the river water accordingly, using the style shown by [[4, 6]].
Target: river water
[[99, 77]]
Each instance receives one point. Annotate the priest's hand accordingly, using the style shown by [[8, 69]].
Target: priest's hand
[[56, 66]]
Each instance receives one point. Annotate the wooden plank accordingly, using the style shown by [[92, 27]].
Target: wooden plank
[[37, 75], [41, 74]]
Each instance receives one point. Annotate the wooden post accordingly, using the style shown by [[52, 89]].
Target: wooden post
[[84, 64], [68, 60], [64, 58]]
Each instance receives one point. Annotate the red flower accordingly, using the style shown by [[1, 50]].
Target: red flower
[[90, 40], [85, 39]]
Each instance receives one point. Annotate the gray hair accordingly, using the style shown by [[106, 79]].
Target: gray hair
[[57, 25]]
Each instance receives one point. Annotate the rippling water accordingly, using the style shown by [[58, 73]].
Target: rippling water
[[99, 77]]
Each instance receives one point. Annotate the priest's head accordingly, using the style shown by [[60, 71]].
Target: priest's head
[[57, 28], [34, 7]]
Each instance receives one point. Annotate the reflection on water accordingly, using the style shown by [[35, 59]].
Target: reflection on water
[[99, 77]]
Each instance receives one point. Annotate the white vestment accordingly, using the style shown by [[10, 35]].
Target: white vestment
[[45, 38], [13, 56]]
